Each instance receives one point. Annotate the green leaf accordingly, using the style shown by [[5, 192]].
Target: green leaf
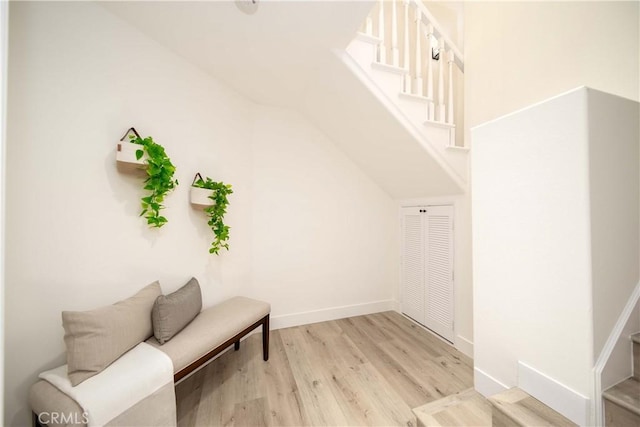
[[159, 181]]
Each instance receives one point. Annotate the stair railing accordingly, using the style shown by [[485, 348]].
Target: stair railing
[[423, 42]]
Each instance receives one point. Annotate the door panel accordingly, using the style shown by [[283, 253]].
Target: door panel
[[413, 263], [427, 267], [439, 271]]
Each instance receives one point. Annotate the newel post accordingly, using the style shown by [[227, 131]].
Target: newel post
[[395, 52], [450, 59], [406, 59], [418, 89], [441, 108], [382, 47], [430, 105]]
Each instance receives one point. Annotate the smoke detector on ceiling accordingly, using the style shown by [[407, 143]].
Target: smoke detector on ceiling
[[247, 6]]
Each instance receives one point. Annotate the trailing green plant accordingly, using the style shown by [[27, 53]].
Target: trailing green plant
[[216, 212], [159, 180]]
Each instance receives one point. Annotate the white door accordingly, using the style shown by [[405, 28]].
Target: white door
[[438, 313], [427, 267], [413, 263]]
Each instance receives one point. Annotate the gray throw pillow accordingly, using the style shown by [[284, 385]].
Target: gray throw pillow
[[171, 313], [96, 338]]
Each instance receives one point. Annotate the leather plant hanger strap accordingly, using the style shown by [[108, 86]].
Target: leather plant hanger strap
[[195, 178], [131, 129]]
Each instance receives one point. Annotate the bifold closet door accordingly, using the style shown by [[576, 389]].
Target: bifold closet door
[[439, 300], [412, 277], [427, 267]]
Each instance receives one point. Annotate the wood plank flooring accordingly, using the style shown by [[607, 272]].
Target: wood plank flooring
[[366, 370], [467, 408]]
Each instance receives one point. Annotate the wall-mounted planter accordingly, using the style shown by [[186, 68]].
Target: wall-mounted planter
[[148, 158], [126, 157], [212, 197], [199, 197]]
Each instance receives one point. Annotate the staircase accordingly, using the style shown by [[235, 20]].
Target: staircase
[[401, 68], [622, 401], [512, 407]]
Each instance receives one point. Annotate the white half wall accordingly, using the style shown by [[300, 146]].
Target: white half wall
[[614, 145], [531, 237], [309, 231], [4, 38], [555, 241]]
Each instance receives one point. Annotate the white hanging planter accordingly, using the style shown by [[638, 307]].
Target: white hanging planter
[[126, 154], [199, 197]]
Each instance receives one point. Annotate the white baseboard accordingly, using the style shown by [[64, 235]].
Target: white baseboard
[[332, 313], [464, 345], [554, 394], [486, 385]]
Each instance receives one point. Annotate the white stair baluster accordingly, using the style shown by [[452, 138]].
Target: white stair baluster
[[441, 108], [368, 26], [382, 47], [395, 52], [450, 58], [430, 105], [407, 64], [418, 89]]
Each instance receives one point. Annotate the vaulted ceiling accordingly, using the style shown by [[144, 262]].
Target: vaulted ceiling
[[272, 56]]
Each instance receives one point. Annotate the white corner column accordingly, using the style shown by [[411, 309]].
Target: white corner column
[[4, 35]]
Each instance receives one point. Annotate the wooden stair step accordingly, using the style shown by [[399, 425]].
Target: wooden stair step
[[515, 407], [389, 68], [466, 408], [625, 395]]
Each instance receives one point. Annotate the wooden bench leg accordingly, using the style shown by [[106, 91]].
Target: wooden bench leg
[[265, 338], [236, 344], [35, 420]]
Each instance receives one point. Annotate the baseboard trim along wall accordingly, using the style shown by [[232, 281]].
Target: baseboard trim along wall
[[486, 385], [464, 345], [332, 313], [554, 394]]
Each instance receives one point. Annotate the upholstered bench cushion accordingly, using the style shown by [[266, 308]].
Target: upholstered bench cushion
[[211, 328]]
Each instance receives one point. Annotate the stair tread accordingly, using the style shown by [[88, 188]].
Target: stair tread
[[625, 394], [368, 38], [389, 68], [467, 407], [525, 410], [439, 124], [636, 337], [414, 97]]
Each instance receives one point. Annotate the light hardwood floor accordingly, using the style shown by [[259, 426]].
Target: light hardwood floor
[[365, 370]]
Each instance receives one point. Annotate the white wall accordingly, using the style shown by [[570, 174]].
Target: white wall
[[518, 53], [531, 244], [614, 139], [323, 235], [309, 230], [555, 242]]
